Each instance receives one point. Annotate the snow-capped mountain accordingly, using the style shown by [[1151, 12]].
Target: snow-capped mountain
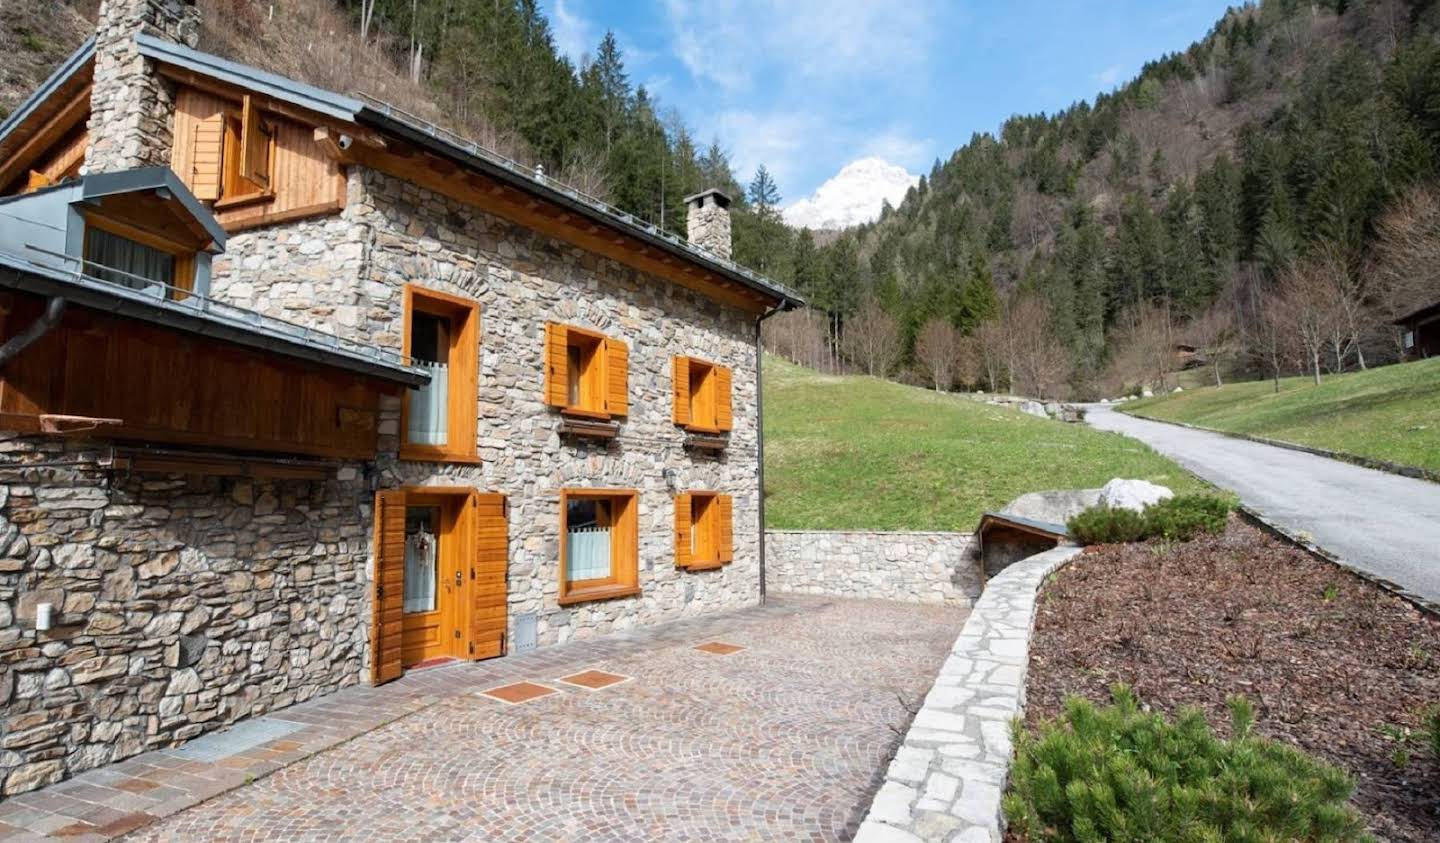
[[852, 196]]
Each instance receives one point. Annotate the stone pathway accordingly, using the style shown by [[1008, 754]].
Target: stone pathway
[[783, 734]]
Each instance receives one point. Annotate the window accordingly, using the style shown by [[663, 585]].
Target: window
[[586, 373], [441, 337], [701, 395], [132, 257], [704, 530], [233, 153], [599, 544], [422, 550]]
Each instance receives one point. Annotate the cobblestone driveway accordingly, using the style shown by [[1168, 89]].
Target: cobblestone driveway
[[785, 739]]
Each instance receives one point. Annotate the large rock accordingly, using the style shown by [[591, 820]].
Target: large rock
[[1034, 408], [1132, 494], [1055, 506]]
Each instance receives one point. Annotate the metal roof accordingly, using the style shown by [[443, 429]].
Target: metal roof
[[210, 318], [1058, 530], [159, 179], [388, 118]]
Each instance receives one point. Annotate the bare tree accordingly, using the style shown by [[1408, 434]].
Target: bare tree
[[1215, 337], [1268, 336], [938, 348], [798, 336], [1307, 310], [993, 345], [871, 339], [1405, 272], [1039, 362], [1144, 348]]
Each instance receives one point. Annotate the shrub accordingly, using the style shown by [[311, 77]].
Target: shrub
[[1118, 773], [1180, 518]]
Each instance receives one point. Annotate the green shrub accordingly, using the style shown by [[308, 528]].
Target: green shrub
[[1181, 518], [1103, 525], [1120, 774]]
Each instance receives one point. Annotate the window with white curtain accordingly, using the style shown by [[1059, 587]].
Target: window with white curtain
[[587, 540], [422, 553], [429, 404]]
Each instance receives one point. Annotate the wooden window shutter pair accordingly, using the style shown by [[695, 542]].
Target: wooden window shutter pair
[[388, 598], [685, 529], [613, 360], [207, 169], [723, 417], [727, 527], [681, 397], [254, 146], [680, 367], [207, 157], [557, 365], [617, 377]]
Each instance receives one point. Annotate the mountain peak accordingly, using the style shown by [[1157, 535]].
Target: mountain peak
[[852, 196]]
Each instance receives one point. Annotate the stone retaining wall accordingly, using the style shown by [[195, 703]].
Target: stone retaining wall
[[949, 775], [914, 567]]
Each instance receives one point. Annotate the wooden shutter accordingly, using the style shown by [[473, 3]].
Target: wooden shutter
[[680, 367], [254, 146], [617, 378], [557, 366], [487, 574], [723, 416], [387, 595], [683, 527], [207, 153], [727, 528]]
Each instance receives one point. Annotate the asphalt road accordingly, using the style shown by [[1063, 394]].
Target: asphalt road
[[1381, 523]]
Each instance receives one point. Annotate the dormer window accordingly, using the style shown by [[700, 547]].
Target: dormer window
[[130, 257]]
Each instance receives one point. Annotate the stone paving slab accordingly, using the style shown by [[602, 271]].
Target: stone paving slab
[[948, 777], [783, 739]]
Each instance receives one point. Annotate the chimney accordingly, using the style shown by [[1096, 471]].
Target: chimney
[[707, 220], [131, 106]]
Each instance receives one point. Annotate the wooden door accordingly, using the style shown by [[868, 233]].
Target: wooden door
[[435, 605], [488, 575], [387, 587]]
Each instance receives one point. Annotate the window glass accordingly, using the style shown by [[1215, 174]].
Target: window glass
[[429, 404], [587, 539], [422, 550], [575, 370], [117, 259]]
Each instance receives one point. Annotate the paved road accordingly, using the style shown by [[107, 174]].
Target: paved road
[[1383, 523]]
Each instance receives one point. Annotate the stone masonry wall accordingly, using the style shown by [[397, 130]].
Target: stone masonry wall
[[181, 604], [346, 273], [915, 567]]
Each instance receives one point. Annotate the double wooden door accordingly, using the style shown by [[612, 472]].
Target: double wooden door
[[439, 586]]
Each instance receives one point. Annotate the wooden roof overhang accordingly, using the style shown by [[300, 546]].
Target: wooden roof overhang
[[58, 106]]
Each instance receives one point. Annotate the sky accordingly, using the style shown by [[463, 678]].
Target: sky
[[807, 86]]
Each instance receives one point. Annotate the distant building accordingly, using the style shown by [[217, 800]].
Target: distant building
[[1421, 332]]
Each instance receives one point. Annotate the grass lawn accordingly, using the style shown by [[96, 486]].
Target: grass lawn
[[862, 453], [1390, 413]]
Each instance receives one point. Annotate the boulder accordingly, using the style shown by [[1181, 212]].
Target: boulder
[[1132, 494], [1178, 389], [1147, 392], [1104, 400], [1034, 408], [1055, 506]]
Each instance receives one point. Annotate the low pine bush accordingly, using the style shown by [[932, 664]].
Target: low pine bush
[[1117, 773], [1181, 518]]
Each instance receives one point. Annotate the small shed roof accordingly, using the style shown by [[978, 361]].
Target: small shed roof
[[1426, 312]]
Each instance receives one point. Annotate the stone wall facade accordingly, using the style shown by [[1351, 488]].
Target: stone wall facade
[[181, 603], [915, 567], [346, 274]]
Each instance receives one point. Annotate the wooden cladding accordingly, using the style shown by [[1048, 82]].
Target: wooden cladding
[[471, 566], [175, 388], [586, 373], [701, 395], [258, 167], [704, 530]]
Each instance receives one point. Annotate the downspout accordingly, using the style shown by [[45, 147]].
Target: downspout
[[54, 310], [760, 433]]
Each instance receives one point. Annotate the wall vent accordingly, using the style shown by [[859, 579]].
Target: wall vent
[[524, 632]]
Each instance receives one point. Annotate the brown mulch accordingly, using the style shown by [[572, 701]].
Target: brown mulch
[[1328, 659]]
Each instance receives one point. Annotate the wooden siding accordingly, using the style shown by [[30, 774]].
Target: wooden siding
[[388, 588], [175, 388], [305, 181]]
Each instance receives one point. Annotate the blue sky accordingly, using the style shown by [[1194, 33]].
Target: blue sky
[[806, 86]]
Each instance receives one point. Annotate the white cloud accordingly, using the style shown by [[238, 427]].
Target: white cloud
[[574, 36], [779, 140], [1109, 76]]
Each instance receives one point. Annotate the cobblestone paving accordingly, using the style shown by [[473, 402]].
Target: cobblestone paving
[[785, 739]]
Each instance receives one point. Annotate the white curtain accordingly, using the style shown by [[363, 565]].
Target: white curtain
[[105, 251], [420, 571], [428, 404], [587, 553]]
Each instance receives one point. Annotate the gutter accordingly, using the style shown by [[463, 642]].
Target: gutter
[[43, 324], [760, 432]]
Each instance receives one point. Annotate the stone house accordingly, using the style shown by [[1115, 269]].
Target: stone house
[[297, 391]]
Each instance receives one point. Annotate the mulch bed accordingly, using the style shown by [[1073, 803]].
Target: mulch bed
[[1328, 659]]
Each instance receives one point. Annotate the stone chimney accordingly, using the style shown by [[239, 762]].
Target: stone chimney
[[131, 105], [707, 220]]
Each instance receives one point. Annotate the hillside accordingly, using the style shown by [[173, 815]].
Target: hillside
[[1281, 136], [1392, 413], [863, 453]]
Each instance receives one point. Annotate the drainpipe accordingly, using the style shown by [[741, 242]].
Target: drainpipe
[[760, 433], [54, 309]]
